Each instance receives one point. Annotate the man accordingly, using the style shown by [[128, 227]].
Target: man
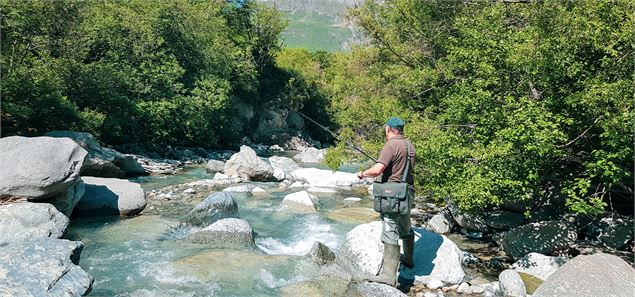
[[390, 166]]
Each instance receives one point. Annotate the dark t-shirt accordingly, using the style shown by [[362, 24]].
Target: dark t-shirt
[[393, 155]]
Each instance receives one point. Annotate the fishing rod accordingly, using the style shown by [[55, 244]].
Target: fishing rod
[[336, 136]]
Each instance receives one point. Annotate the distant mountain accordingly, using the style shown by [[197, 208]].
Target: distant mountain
[[317, 24]]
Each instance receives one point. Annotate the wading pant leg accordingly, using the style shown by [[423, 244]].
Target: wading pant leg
[[395, 227]]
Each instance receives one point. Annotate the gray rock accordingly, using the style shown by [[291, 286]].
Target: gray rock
[[214, 166], [217, 206], [541, 237], [67, 201], [43, 267], [285, 164], [593, 275], [511, 284], [439, 223], [248, 165], [320, 254], [311, 155], [25, 221], [239, 189], [299, 201], [463, 287], [504, 220], [40, 167], [613, 233], [102, 162], [539, 265], [436, 257], [367, 289], [325, 178], [225, 233], [469, 221], [279, 175], [110, 196]]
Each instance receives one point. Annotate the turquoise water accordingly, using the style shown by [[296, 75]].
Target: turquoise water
[[139, 257]]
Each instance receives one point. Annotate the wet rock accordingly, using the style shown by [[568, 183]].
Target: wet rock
[[43, 267], [612, 233], [258, 191], [310, 155], [538, 265], [320, 254], [542, 237], [110, 196], [325, 178], [25, 221], [101, 161], [225, 233], [368, 289], [239, 189], [354, 214], [439, 223], [39, 168], [217, 206], [214, 166], [593, 275], [287, 165], [511, 284], [504, 220], [300, 201], [248, 165], [223, 180], [436, 257], [279, 175]]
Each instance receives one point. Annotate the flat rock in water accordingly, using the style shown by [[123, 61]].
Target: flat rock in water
[[217, 206], [311, 155], [325, 178], [43, 267], [110, 196], [225, 233], [287, 165], [354, 214], [299, 201], [39, 167], [541, 237], [25, 221], [368, 289], [590, 275], [539, 265], [239, 189], [248, 165]]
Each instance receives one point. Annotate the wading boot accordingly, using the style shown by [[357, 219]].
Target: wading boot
[[408, 251], [388, 273]]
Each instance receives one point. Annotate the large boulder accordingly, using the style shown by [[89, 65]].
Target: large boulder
[[593, 275], [248, 165], [287, 165], [504, 220], [439, 223], [436, 257], [311, 155], [39, 168], [214, 166], [43, 267], [25, 221], [225, 233], [299, 201], [542, 237], [217, 206], [469, 221], [538, 265], [325, 178], [614, 233], [110, 196], [101, 161]]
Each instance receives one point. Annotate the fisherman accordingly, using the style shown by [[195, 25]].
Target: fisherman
[[391, 165]]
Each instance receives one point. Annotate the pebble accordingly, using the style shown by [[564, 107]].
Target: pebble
[[296, 185], [450, 288], [189, 191], [434, 284], [477, 289], [429, 294], [462, 288]]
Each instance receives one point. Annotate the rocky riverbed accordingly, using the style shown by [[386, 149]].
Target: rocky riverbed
[[240, 224]]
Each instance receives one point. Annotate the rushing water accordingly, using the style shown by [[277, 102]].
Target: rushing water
[[140, 256]]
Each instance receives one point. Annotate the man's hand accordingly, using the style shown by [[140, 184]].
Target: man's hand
[[360, 175]]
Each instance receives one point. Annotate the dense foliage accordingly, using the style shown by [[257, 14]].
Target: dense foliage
[[135, 71], [507, 103]]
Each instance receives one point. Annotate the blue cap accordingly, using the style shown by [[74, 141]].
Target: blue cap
[[395, 122]]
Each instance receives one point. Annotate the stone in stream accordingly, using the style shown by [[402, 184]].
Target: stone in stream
[[43, 267], [214, 166], [225, 233], [320, 254], [287, 165], [439, 223], [469, 221], [310, 155], [25, 221], [541, 237], [42, 169], [436, 257], [590, 275], [110, 196], [538, 265], [511, 284], [504, 220], [299, 202], [279, 175], [368, 289], [614, 233], [239, 189], [248, 165], [217, 206], [325, 178], [101, 161], [354, 214]]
